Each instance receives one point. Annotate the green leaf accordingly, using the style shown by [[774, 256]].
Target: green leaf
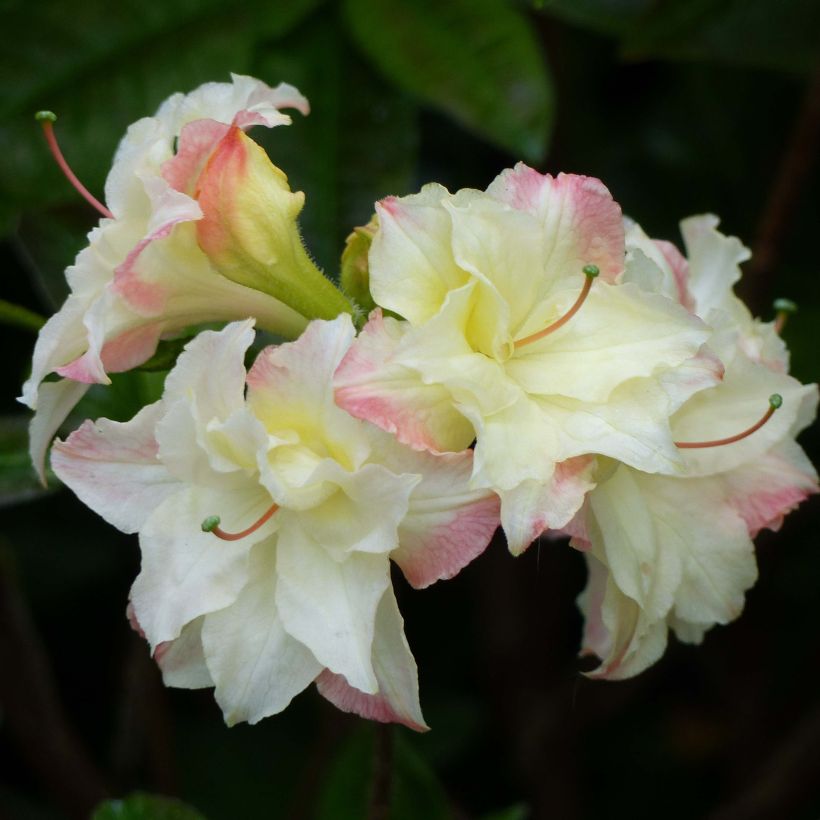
[[612, 17], [416, 791], [358, 145], [761, 33], [18, 482], [517, 812], [19, 316], [346, 788], [414, 788], [104, 65], [140, 806], [127, 394], [477, 60]]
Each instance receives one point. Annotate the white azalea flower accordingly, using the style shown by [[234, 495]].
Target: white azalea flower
[[189, 193], [506, 339], [314, 504], [676, 552]]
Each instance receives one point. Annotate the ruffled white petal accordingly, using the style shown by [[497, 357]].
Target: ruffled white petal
[[330, 606], [114, 469], [187, 572], [256, 666], [397, 699]]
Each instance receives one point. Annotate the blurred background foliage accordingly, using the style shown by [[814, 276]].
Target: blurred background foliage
[[680, 106]]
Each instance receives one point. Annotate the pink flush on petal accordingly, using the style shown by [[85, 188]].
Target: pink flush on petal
[[452, 545], [594, 220], [373, 707]]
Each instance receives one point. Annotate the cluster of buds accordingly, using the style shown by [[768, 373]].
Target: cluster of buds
[[531, 359]]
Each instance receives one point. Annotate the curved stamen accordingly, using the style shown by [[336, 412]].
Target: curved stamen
[[784, 308], [47, 120], [590, 272], [211, 524], [775, 400]]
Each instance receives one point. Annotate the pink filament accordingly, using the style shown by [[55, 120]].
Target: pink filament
[[51, 139]]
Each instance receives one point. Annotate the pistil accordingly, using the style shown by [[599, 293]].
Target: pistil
[[47, 120], [211, 524], [775, 401], [590, 273], [783, 309]]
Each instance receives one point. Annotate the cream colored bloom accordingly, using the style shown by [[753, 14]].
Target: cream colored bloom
[[473, 275], [324, 501], [203, 229], [676, 552]]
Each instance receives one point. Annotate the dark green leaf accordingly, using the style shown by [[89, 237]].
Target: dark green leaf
[[477, 60], [346, 788], [127, 394], [612, 17], [780, 34], [166, 354], [18, 316], [358, 144], [145, 807], [764, 33], [517, 812], [414, 788]]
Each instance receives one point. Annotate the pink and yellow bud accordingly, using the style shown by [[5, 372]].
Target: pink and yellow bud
[[249, 230]]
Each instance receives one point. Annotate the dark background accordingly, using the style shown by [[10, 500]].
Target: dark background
[[681, 108]]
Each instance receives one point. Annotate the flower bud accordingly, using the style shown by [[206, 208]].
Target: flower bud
[[355, 276], [249, 229]]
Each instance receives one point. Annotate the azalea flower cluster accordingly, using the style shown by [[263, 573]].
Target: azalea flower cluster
[[531, 359]]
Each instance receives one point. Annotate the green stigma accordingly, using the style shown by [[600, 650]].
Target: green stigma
[[45, 116], [775, 400], [210, 523], [785, 306], [591, 270]]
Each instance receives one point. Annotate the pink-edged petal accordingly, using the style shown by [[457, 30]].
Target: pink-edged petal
[[582, 223], [397, 699], [256, 665], [197, 141], [535, 506], [61, 338], [55, 400], [169, 208], [246, 100], [130, 349], [113, 468], [680, 270], [124, 352], [302, 369], [186, 572], [370, 386], [182, 661], [763, 491], [447, 524], [615, 628]]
